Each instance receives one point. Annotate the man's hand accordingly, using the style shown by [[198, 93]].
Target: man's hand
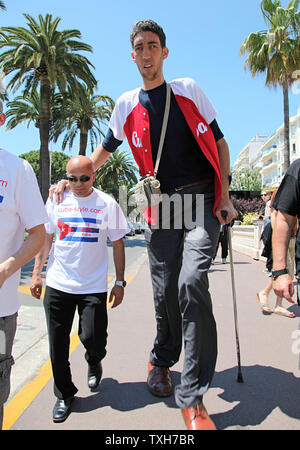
[[227, 206], [284, 288], [58, 190], [116, 296], [36, 286], [29, 248]]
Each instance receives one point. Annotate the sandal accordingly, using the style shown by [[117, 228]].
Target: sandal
[[264, 306], [284, 312]]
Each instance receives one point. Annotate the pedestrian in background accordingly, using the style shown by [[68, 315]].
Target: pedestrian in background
[[223, 240], [263, 295], [266, 196]]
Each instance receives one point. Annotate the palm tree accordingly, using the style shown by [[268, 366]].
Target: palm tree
[[248, 180], [277, 52], [119, 170], [27, 108], [40, 55], [84, 113], [24, 110], [3, 93]]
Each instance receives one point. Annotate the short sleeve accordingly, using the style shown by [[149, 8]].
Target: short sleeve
[[50, 225], [117, 223], [31, 207], [117, 120], [110, 143], [214, 126], [287, 198], [204, 105]]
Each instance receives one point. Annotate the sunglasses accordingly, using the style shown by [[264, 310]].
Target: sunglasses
[[83, 178]]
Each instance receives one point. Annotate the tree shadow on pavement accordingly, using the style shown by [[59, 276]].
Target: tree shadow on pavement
[[122, 396], [264, 389]]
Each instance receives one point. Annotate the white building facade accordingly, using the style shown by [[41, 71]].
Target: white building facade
[[267, 156], [249, 153]]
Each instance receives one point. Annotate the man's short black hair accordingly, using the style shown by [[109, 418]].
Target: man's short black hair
[[148, 25]]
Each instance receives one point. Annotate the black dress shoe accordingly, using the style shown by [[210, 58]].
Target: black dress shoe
[[94, 375], [62, 409]]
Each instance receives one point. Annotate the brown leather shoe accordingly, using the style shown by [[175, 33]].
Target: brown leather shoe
[[196, 418], [159, 380]]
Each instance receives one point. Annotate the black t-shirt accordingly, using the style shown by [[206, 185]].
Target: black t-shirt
[[287, 200], [182, 161]]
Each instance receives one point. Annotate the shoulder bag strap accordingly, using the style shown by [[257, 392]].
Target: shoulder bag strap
[[163, 128]]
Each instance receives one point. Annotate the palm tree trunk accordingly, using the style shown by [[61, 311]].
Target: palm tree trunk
[[83, 142], [44, 174], [115, 177], [286, 150]]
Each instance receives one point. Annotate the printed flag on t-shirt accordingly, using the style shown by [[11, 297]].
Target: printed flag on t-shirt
[[79, 229]]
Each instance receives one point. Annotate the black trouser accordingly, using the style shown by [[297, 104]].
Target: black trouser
[[92, 331], [223, 240]]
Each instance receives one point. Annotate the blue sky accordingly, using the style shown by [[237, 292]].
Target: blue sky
[[203, 39]]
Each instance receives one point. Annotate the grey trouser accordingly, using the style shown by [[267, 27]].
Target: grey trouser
[[8, 327], [179, 261]]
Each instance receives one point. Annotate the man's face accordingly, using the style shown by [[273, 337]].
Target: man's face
[[148, 55], [76, 176], [265, 196]]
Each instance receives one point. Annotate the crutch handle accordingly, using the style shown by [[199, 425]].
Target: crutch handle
[[224, 213]]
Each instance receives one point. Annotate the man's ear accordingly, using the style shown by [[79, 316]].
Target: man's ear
[[165, 52], [132, 56], [2, 119]]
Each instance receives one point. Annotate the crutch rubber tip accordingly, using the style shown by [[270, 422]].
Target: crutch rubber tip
[[240, 378]]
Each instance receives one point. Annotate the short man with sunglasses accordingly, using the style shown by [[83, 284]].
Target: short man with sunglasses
[[77, 276]]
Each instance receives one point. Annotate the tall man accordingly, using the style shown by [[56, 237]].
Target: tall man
[[194, 161], [77, 276], [21, 208]]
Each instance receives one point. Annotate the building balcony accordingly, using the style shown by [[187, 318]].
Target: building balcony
[[268, 166], [268, 152]]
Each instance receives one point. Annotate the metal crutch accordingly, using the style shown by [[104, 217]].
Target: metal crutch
[[239, 376]]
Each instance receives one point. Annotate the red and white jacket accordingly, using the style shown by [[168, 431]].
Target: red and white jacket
[[131, 120]]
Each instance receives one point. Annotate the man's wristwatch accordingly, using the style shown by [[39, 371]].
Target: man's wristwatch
[[277, 273], [120, 283]]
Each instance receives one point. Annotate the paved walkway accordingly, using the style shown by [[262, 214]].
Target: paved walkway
[[268, 398]]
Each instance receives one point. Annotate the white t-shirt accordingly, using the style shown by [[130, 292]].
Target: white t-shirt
[[78, 260], [21, 207]]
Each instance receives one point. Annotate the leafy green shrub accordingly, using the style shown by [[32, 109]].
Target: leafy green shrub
[[248, 218]]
